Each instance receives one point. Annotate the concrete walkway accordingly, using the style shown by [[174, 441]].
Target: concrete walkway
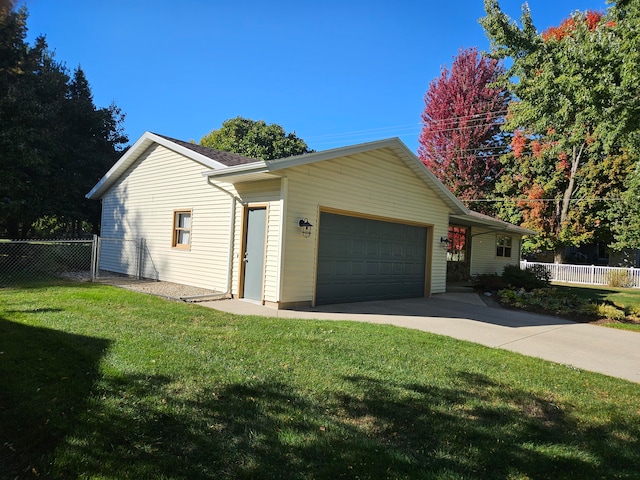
[[466, 316]]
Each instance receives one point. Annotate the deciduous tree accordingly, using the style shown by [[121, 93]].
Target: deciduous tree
[[625, 217], [461, 140], [255, 139], [567, 119]]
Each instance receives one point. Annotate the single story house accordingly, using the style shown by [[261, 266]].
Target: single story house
[[357, 223]]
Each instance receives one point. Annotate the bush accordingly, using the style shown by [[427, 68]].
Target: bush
[[619, 278], [544, 300], [528, 279], [603, 311]]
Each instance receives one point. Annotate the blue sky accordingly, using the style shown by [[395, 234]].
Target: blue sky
[[335, 72]]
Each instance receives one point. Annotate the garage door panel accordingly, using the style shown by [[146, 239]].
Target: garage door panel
[[362, 259]]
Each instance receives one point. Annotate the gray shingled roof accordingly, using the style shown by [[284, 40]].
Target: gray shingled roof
[[226, 158]]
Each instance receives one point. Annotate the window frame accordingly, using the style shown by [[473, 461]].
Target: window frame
[[504, 246], [177, 229]]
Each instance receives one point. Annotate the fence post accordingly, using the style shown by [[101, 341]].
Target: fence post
[[593, 274], [94, 258], [140, 257]]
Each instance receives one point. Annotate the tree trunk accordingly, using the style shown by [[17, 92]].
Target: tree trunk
[[576, 156], [558, 255], [566, 199]]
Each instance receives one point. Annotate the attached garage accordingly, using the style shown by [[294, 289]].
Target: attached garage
[[376, 222], [362, 259]]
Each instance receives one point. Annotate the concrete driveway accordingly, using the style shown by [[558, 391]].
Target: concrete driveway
[[466, 316]]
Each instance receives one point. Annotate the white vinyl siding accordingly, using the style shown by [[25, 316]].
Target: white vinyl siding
[[483, 252], [266, 192], [376, 183], [141, 205]]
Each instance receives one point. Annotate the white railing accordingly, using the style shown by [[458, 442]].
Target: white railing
[[588, 274]]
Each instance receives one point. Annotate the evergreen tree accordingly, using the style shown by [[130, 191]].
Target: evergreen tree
[[54, 142]]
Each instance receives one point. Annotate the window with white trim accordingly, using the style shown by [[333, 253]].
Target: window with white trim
[[181, 229], [503, 246]]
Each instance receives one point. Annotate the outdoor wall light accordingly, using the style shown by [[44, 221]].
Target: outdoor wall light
[[304, 224], [444, 242]]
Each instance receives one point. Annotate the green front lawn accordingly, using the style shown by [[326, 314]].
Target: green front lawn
[[100, 382], [626, 299]]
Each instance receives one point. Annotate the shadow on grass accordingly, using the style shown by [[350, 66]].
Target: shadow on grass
[[46, 377], [155, 427], [595, 295]]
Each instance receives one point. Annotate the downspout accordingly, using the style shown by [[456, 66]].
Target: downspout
[[232, 230]]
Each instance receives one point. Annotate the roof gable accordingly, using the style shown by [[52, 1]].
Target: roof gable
[[259, 169], [208, 157]]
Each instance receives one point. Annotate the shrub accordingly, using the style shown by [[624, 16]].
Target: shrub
[[544, 300], [619, 278], [528, 279], [603, 311]]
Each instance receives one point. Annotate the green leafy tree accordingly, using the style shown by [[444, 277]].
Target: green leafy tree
[[255, 139], [567, 119], [54, 142], [625, 217]]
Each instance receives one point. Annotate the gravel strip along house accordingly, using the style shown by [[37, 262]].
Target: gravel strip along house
[[357, 223]]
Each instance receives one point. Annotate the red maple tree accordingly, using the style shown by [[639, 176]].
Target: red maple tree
[[461, 141]]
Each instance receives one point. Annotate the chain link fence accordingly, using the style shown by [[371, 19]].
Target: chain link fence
[[34, 260], [125, 256]]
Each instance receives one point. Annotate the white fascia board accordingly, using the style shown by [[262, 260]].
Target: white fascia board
[[239, 170], [121, 165], [395, 144], [493, 224], [137, 149], [430, 178], [193, 155], [307, 158]]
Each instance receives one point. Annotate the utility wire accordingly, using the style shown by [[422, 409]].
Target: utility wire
[[515, 199]]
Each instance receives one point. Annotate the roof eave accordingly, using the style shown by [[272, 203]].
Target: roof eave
[[493, 224], [241, 173]]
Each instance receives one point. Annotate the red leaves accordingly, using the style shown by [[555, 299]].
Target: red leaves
[[462, 119], [592, 19], [518, 143], [563, 164]]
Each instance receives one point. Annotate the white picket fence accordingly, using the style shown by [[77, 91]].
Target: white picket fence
[[588, 274]]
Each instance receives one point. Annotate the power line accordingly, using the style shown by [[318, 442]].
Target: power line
[[407, 129], [471, 117], [516, 199]]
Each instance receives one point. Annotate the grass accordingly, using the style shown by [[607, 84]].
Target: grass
[[626, 299], [103, 383]]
